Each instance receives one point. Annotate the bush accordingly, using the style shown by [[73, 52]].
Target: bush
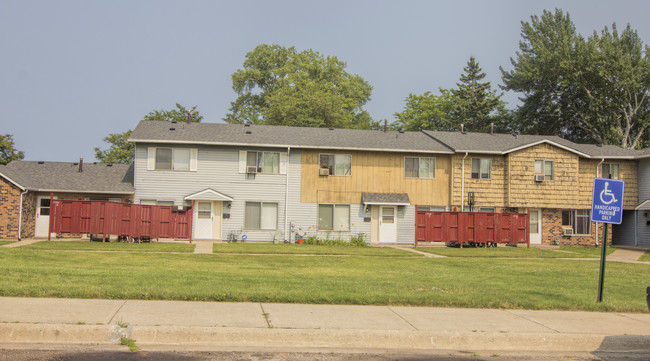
[[354, 241]]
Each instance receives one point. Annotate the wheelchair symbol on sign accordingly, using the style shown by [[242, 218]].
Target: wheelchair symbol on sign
[[608, 194]]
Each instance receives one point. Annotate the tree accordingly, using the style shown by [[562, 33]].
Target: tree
[[7, 150], [426, 112], [122, 151], [587, 90], [476, 104], [281, 86]]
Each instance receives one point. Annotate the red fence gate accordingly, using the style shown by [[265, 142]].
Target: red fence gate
[[120, 219], [478, 227]]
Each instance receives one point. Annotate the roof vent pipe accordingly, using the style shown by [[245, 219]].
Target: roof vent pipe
[[81, 164], [385, 124], [462, 128], [491, 128], [379, 125], [189, 117]]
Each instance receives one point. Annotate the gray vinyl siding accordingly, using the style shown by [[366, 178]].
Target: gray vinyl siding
[[623, 234], [642, 217], [406, 224]]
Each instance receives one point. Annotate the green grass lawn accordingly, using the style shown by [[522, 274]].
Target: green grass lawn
[[419, 281], [517, 252], [270, 248], [645, 257], [111, 246], [2, 243]]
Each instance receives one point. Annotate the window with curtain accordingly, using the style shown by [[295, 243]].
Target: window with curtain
[[333, 217], [172, 159], [611, 171], [261, 215], [338, 164], [417, 167], [481, 168], [265, 162], [579, 220], [545, 167]]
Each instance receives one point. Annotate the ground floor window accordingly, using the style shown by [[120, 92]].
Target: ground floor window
[[486, 209], [578, 220], [432, 208], [153, 202], [260, 215], [333, 217]]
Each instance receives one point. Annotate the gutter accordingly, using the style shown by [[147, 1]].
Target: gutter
[[462, 185], [286, 196], [20, 214]]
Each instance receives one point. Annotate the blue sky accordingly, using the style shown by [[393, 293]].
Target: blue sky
[[73, 71]]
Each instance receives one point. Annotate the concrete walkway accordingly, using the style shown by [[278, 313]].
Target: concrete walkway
[[245, 326], [203, 247], [24, 242], [627, 256]]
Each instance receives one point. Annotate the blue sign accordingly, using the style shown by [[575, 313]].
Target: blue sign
[[607, 201]]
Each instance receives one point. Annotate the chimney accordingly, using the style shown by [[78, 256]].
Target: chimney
[[189, 117], [491, 128], [385, 124], [81, 164]]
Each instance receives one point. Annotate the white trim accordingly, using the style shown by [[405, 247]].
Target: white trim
[[12, 182], [80, 191], [285, 146], [640, 206], [385, 203], [197, 196]]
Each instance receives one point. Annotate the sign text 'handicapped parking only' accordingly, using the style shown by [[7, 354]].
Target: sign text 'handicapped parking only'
[[607, 201]]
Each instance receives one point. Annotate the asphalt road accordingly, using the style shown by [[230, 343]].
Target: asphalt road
[[83, 355]]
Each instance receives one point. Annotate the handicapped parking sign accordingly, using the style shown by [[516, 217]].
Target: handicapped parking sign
[[607, 201]]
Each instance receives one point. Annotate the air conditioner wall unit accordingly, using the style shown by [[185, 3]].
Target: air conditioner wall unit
[[539, 177], [251, 169], [323, 171], [568, 231]]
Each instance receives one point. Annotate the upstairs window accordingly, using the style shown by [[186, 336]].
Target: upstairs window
[[415, 167], [265, 162], [481, 168], [611, 171], [178, 159], [546, 168], [337, 164]]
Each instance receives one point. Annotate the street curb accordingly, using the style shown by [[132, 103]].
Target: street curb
[[242, 338]]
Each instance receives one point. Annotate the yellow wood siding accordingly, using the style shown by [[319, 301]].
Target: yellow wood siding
[[628, 174], [561, 192], [374, 172], [487, 192]]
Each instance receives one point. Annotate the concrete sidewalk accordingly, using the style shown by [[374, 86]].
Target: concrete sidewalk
[[245, 326]]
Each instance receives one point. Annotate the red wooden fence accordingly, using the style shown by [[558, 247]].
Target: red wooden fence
[[477, 227], [120, 219]]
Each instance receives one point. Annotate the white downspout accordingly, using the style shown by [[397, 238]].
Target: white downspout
[[286, 196], [597, 176], [20, 214], [462, 186]]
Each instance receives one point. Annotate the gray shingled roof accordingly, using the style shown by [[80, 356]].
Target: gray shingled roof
[[281, 136], [64, 176], [385, 198], [505, 143]]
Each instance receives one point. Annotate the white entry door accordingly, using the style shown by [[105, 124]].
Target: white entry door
[[387, 224], [535, 226], [42, 216], [203, 218]]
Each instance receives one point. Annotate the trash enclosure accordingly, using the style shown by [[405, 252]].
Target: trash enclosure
[[477, 227], [120, 219]]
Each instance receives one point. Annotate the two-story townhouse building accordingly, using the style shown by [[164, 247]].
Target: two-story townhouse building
[[546, 176], [269, 182]]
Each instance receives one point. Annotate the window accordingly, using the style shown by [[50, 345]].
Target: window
[[432, 208], [481, 168], [419, 167], [260, 215], [171, 158], [579, 220], [45, 207], [266, 162], [152, 202], [611, 171], [486, 209], [333, 217], [338, 164], [544, 167]]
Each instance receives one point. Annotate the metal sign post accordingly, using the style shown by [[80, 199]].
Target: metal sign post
[[606, 207]]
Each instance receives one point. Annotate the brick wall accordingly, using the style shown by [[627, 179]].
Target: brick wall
[[552, 231], [9, 209], [27, 229]]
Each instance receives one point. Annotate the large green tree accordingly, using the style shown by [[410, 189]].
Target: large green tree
[[8, 151], [122, 151], [592, 89], [281, 86], [426, 112], [476, 104]]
